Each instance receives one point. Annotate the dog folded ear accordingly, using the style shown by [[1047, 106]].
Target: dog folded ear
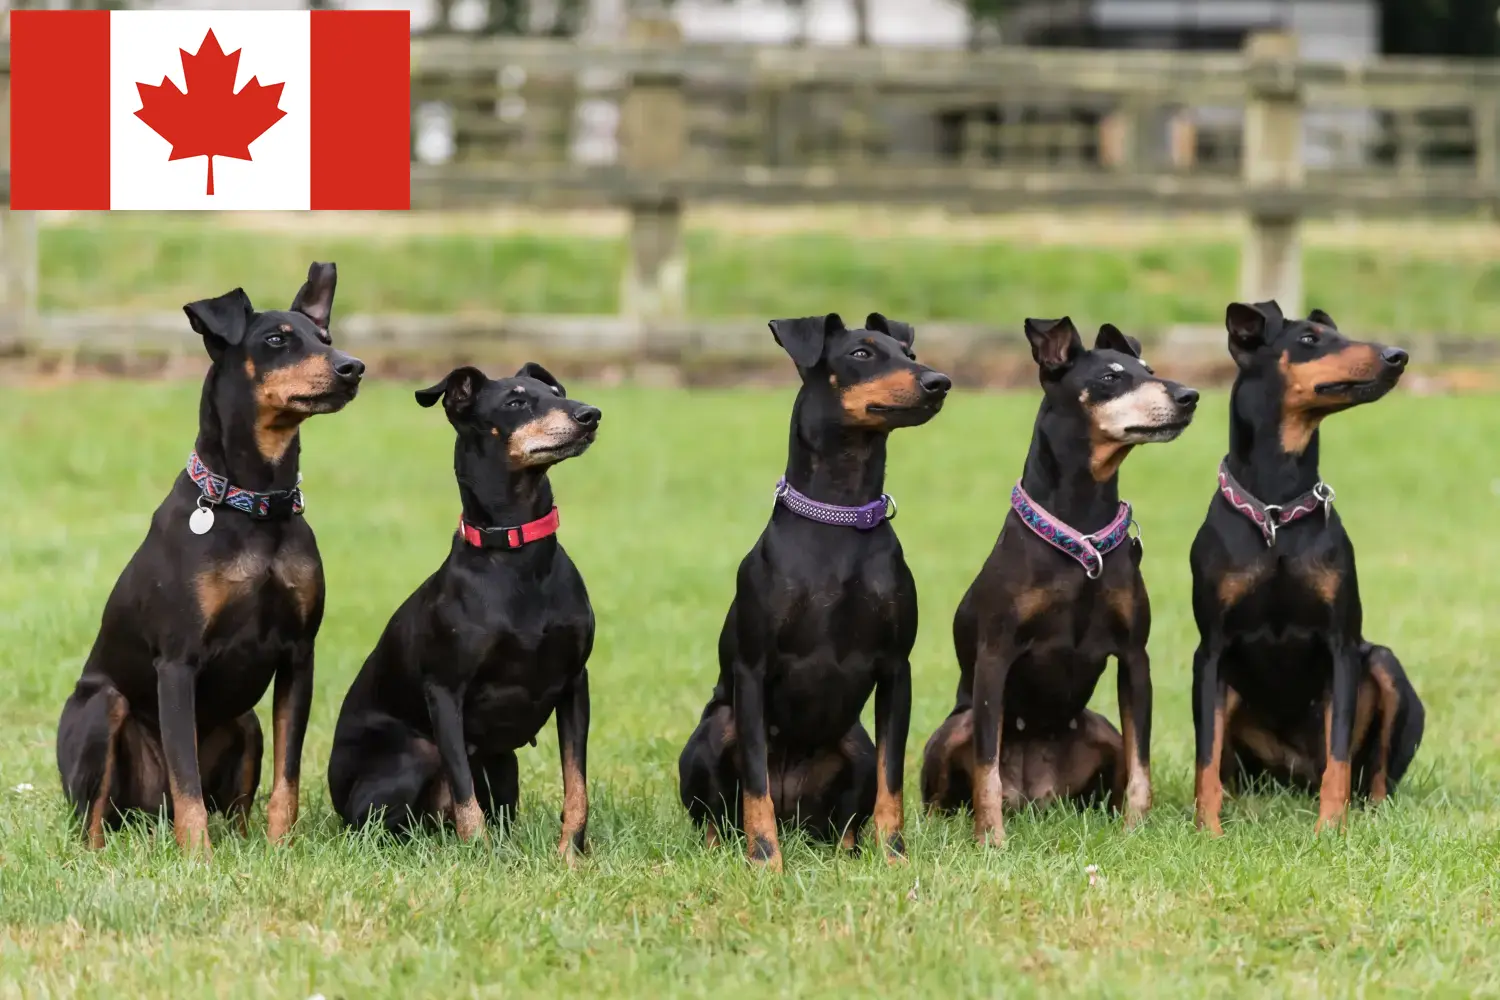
[[1111, 339], [1055, 343], [533, 370], [458, 391], [803, 338], [903, 333], [1321, 317], [1247, 327], [315, 298], [222, 321]]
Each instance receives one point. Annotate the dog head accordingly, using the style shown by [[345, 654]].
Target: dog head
[[870, 373], [1314, 369], [287, 359], [1121, 399], [528, 415]]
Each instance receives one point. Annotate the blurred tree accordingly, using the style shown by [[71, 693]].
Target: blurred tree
[[1440, 27]]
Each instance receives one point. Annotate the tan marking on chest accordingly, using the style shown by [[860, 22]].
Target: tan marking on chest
[[1121, 601], [298, 573], [1030, 603], [219, 586], [1323, 581], [1234, 586]]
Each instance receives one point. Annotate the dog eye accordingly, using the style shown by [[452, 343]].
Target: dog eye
[[1149, 369], [516, 402], [276, 340], [862, 353], [1109, 377], [1308, 339]]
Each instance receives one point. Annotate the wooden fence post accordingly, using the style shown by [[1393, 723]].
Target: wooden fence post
[[1486, 113], [1271, 259], [653, 127]]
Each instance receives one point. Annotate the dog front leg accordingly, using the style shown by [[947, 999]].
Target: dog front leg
[[991, 667], [445, 707], [1134, 684], [1208, 729], [176, 700], [573, 744], [755, 781], [892, 722], [1338, 735], [290, 706]]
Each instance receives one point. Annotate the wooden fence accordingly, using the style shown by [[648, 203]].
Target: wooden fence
[[1258, 132]]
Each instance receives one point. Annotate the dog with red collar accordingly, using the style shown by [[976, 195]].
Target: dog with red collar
[[491, 645], [1285, 686]]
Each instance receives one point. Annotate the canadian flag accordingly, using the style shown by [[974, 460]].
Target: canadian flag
[[210, 109]]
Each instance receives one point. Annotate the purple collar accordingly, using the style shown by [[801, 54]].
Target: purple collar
[[1088, 550], [864, 518], [1270, 516]]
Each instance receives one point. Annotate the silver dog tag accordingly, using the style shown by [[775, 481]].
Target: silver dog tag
[[201, 520]]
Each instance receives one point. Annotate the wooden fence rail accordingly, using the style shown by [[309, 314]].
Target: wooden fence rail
[[1259, 132]]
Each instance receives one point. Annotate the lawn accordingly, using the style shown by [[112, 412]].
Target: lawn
[[657, 516], [129, 261]]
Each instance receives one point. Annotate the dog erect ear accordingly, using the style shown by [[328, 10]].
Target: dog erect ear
[[533, 370], [315, 298], [1055, 343], [1322, 318], [1247, 327], [1111, 339], [803, 338], [902, 333], [458, 391], [221, 322]]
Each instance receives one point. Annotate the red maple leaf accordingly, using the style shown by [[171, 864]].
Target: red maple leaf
[[210, 119]]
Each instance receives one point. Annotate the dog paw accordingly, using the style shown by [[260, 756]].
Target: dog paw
[[1211, 824], [991, 834], [765, 853]]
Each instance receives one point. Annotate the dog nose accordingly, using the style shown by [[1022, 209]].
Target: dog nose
[[1185, 397], [588, 416], [934, 383], [348, 367], [1394, 356]]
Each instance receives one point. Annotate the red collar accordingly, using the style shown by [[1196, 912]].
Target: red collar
[[509, 538]]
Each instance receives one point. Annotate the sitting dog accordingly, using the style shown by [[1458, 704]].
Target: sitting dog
[[824, 613], [1283, 679], [474, 662], [225, 593], [1050, 604]]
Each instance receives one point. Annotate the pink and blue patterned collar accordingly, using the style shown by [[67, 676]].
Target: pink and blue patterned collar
[[1087, 550], [217, 490]]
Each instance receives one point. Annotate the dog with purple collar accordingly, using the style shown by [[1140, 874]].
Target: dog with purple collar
[[1060, 593], [824, 613]]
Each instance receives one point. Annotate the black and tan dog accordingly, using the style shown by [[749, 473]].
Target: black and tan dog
[[1051, 603], [225, 593], [474, 662], [824, 613], [1284, 684]]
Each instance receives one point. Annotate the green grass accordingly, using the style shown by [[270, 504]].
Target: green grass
[[657, 516], [160, 263]]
